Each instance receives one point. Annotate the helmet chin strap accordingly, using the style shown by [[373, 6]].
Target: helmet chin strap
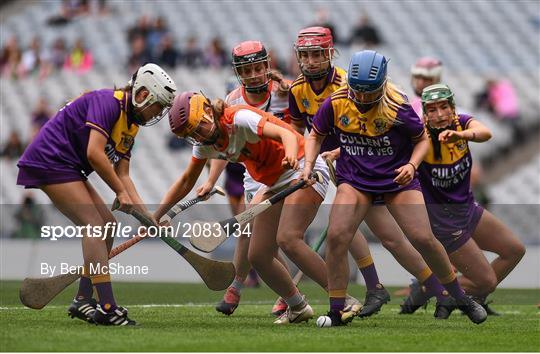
[[317, 76], [440, 129], [363, 108], [214, 138], [137, 117], [257, 89]]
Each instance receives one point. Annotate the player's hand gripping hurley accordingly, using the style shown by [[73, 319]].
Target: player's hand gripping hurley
[[217, 275], [231, 225], [36, 293]]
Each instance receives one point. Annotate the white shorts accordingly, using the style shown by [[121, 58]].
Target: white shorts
[[252, 187]]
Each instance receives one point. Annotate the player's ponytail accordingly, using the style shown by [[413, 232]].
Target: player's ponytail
[[218, 105], [390, 103]]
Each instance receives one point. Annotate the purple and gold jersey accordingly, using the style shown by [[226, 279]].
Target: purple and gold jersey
[[446, 184], [370, 147], [61, 144], [304, 102]]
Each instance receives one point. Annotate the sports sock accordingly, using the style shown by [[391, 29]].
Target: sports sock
[[367, 268], [451, 284], [337, 299], [238, 284], [85, 287], [104, 289], [294, 299], [435, 288]]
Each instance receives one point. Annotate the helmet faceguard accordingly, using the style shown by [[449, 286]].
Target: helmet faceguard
[[189, 120], [315, 44], [161, 89], [251, 65], [426, 71], [366, 77], [437, 93]]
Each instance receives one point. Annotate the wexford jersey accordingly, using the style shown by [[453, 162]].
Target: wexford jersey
[[261, 156], [273, 103], [370, 148], [62, 143], [304, 102], [446, 183]]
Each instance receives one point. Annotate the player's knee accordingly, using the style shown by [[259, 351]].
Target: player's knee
[[390, 244], [340, 231], [488, 282], [424, 242], [286, 246], [288, 240], [257, 259], [515, 251], [336, 244]]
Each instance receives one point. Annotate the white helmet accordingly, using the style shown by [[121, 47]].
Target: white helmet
[[160, 86]]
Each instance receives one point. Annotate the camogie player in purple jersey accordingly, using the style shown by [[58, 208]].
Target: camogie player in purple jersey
[[319, 79], [458, 222], [382, 142], [96, 132]]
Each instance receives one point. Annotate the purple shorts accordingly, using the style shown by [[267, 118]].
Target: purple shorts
[[454, 240], [34, 177], [234, 179], [378, 198]]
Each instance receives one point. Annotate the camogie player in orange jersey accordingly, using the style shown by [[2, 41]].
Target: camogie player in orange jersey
[[264, 89], [320, 79], [273, 154]]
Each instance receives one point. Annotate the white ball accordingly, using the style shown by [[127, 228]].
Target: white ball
[[324, 321]]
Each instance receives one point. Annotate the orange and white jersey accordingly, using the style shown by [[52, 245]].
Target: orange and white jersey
[[273, 103], [262, 156]]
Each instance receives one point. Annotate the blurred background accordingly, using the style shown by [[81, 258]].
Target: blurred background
[[52, 51]]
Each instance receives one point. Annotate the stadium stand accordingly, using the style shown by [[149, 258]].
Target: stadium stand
[[502, 45]]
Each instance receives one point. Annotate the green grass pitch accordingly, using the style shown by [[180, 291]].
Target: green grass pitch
[[181, 317]]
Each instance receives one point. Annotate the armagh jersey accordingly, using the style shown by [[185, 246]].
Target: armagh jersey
[[446, 183], [273, 103], [62, 143], [304, 102], [262, 156], [371, 148]]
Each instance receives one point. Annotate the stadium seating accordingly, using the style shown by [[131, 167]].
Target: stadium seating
[[502, 45], [516, 200]]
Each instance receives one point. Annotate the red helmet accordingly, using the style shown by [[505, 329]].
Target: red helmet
[[314, 39], [245, 56]]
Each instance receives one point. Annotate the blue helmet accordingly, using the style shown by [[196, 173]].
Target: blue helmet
[[367, 74]]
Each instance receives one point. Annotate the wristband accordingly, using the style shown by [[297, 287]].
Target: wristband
[[410, 163]]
